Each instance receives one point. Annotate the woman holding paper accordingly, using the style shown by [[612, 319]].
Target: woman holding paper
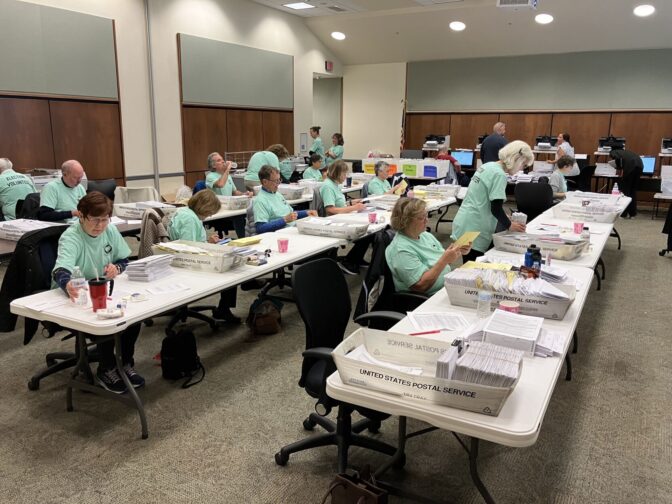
[[187, 224], [483, 208], [98, 249], [379, 184]]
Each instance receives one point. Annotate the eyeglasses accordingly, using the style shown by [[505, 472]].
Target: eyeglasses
[[275, 181], [96, 221]]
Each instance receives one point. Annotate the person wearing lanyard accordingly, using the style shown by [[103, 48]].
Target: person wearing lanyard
[[187, 224], [379, 184], [220, 181], [334, 204], [317, 147], [557, 179], [98, 250], [482, 207], [335, 152], [417, 260]]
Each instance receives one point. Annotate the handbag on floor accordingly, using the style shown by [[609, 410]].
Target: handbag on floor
[[264, 317], [179, 358], [355, 489]]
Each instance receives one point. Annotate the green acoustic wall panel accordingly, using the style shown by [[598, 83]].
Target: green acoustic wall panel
[[219, 73], [609, 80]]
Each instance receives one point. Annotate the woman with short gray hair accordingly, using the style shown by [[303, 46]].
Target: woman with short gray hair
[[379, 184]]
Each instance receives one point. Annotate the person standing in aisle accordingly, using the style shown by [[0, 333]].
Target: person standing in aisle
[[493, 142], [629, 167], [317, 147], [335, 152], [482, 208]]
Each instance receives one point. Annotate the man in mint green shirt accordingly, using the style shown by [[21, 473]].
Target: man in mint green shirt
[[59, 198], [219, 179], [271, 210], [258, 160], [13, 187]]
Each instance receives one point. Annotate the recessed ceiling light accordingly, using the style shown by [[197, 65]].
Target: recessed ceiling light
[[457, 26], [543, 18], [298, 6], [338, 35], [644, 10]]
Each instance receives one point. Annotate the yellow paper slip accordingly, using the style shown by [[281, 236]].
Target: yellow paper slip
[[482, 265], [467, 238], [243, 242], [402, 187]]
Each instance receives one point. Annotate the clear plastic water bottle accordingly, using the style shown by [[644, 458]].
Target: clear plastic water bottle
[[484, 304], [615, 190], [79, 282]]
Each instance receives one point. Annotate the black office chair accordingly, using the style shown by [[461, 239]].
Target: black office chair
[[533, 199], [27, 208], [325, 313], [378, 294], [106, 187], [584, 180]]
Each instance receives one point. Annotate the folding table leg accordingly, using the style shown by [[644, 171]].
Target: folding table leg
[[473, 469], [129, 387]]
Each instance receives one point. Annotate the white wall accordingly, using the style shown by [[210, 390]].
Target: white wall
[[327, 107], [236, 21], [373, 104]]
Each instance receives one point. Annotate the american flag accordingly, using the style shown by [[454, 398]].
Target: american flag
[[403, 125]]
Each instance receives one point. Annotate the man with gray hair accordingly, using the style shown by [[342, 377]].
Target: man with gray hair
[[13, 187], [59, 198], [493, 142]]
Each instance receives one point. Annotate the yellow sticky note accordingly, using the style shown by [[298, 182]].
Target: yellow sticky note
[[402, 187], [244, 242], [467, 238]]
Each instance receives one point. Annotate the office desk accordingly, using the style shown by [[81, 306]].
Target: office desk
[[53, 305], [519, 422], [657, 198]]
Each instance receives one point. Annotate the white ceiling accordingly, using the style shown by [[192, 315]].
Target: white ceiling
[[382, 31]]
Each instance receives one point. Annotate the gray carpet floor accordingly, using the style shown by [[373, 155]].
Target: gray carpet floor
[[605, 438]]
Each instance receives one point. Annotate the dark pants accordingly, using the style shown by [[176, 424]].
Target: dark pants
[[629, 182], [227, 298], [358, 250], [106, 349]]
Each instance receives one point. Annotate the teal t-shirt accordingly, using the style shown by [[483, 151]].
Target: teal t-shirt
[[377, 186], [185, 225], [311, 173], [487, 184], [91, 254], [58, 196], [226, 190], [317, 147], [258, 160], [336, 150], [408, 260], [269, 206], [557, 182], [286, 169], [331, 194], [13, 187]]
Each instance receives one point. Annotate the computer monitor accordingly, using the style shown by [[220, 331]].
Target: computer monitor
[[649, 164], [613, 142], [411, 154], [666, 143], [481, 138], [547, 139], [465, 158]]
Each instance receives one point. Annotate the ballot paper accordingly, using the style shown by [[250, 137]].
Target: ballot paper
[[150, 268], [445, 364], [167, 288], [466, 238], [361, 354], [549, 344], [440, 321], [512, 330], [510, 282], [14, 229], [487, 364], [181, 248]]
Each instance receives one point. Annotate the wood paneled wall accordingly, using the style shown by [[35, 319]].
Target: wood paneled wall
[[210, 129], [43, 132]]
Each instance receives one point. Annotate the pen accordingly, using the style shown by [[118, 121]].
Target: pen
[[436, 331]]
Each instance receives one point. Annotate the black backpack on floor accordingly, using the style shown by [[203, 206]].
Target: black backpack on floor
[[179, 358]]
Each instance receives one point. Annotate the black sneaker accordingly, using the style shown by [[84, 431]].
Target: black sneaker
[[348, 269], [109, 379], [136, 380], [226, 315]]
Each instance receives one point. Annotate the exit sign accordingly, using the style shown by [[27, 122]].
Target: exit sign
[[329, 66]]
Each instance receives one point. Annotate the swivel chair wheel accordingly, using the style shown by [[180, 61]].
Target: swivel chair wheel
[[662, 253], [400, 463], [374, 428], [281, 458], [50, 362], [33, 384], [308, 424]]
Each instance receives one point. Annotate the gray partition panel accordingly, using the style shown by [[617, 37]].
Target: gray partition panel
[[45, 50], [609, 80], [219, 73]]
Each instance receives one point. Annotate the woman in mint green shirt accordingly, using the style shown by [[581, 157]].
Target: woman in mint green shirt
[[417, 260], [379, 184], [482, 208], [335, 152], [315, 171], [317, 147]]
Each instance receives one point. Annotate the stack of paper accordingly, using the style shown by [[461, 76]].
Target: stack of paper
[[361, 354], [439, 321], [447, 361], [510, 282], [512, 330], [150, 268], [153, 204], [182, 248], [14, 229], [554, 274], [549, 344], [487, 364]]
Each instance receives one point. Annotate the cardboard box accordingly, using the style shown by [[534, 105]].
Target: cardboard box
[[413, 351], [536, 306], [137, 210], [217, 258], [508, 242], [320, 226]]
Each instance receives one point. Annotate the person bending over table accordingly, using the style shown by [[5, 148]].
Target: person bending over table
[[13, 187], [629, 167], [187, 224], [379, 183], [317, 147], [482, 207], [334, 204], [59, 198], [416, 258], [315, 171], [268, 157], [271, 210], [220, 181], [284, 164], [557, 180], [98, 249], [335, 152]]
